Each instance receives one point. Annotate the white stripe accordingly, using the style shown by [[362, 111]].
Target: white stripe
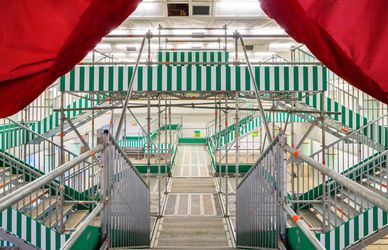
[[76, 78], [322, 239], [370, 221], [53, 239], [223, 77], [184, 78], [242, 78], [291, 78], [351, 231], [174, 78], [232, 79], [203, 78], [310, 78], [342, 236], [213, 78], [281, 78], [332, 239], [164, 77], [300, 78], [145, 78], [262, 77], [361, 226], [63, 239], [194, 78], [96, 78], [115, 78], [135, 79], [155, 78], [106, 78], [125, 79], [86, 79], [24, 227], [33, 232], [43, 237], [320, 78], [379, 218], [14, 222], [200, 57], [67, 82], [271, 78]]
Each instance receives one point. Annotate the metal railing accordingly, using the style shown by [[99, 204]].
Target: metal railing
[[260, 220], [126, 220]]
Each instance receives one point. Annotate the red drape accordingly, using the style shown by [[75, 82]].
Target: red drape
[[349, 36], [41, 40]]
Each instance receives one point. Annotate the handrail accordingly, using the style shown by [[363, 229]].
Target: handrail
[[351, 134], [81, 227], [362, 191], [24, 191], [316, 243], [124, 155], [40, 136], [261, 157]]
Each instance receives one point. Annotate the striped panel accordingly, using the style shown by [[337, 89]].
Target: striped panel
[[195, 78], [30, 230], [164, 148], [53, 120], [357, 228], [193, 56], [132, 142]]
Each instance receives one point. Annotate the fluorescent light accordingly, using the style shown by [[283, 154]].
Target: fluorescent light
[[263, 54], [268, 31], [280, 46]]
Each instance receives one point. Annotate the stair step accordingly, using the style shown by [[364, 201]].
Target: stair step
[[76, 218], [30, 199], [4, 170], [335, 220], [310, 218], [42, 207], [345, 208], [51, 220], [9, 179]]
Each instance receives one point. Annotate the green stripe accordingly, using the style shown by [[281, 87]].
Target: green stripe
[[101, 79], [179, 77], [286, 77], [160, 79], [247, 79], [277, 80], [189, 77], [140, 78], [198, 78], [82, 78], [91, 78], [238, 78], [208, 78], [72, 80], [169, 78], [121, 75], [149, 80], [296, 78], [267, 76], [110, 77]]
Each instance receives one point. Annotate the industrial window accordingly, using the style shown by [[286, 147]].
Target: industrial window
[[178, 9]]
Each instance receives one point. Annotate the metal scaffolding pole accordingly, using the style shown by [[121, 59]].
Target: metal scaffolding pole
[[261, 111], [159, 155], [129, 92], [170, 129], [219, 142], [237, 128], [60, 202], [148, 137], [226, 158]]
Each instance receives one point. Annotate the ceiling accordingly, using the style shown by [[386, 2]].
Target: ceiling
[[245, 16]]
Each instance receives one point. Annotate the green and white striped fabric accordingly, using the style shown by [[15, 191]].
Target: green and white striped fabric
[[195, 78], [53, 120], [193, 56], [30, 230], [132, 142], [12, 137], [357, 228], [254, 124], [154, 148]]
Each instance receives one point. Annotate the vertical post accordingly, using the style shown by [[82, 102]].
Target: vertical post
[[104, 190], [324, 191], [159, 155], [165, 141], [148, 137], [219, 142], [226, 156], [62, 161], [237, 128], [170, 131], [216, 135]]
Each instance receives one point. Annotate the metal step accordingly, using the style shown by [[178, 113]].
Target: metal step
[[335, 220], [3, 170], [51, 220], [42, 207], [76, 218], [310, 218]]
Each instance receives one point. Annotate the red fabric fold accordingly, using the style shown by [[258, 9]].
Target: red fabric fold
[[41, 40], [349, 36]]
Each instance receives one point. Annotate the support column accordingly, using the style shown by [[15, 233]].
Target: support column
[[159, 155], [60, 199], [237, 127], [226, 157], [326, 214], [148, 137], [165, 142]]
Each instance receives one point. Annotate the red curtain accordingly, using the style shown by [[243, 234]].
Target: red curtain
[[41, 40], [349, 36]]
